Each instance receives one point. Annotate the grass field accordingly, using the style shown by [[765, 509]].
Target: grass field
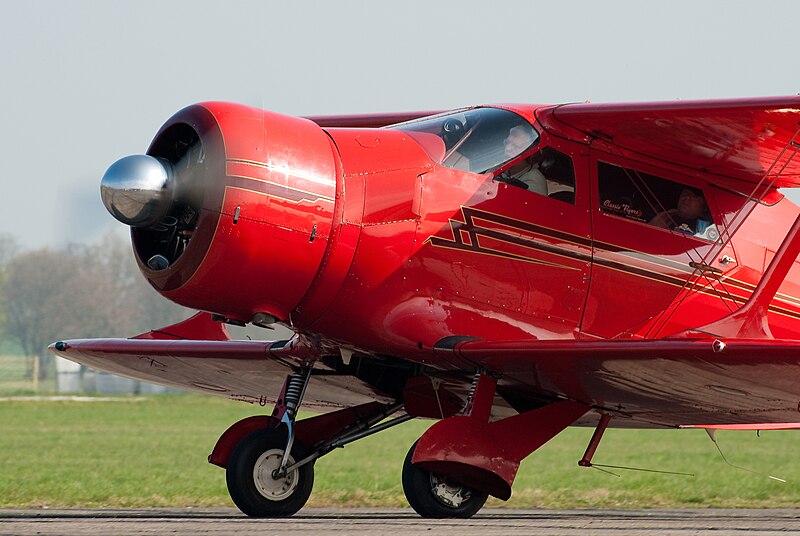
[[152, 452]]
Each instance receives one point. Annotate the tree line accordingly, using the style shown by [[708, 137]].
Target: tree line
[[75, 291]]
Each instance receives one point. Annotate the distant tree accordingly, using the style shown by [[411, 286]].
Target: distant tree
[[8, 249], [78, 292], [127, 305], [33, 298]]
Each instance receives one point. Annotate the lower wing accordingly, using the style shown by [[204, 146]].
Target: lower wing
[[197, 355], [669, 382]]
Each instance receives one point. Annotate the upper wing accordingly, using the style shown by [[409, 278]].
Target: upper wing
[[367, 120], [669, 382], [197, 355], [739, 139]]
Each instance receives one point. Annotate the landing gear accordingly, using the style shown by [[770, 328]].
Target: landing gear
[[255, 482], [262, 478], [269, 460], [434, 496]]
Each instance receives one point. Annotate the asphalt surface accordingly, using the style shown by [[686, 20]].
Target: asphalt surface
[[488, 522]]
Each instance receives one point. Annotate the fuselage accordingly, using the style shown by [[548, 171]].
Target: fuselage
[[379, 240]]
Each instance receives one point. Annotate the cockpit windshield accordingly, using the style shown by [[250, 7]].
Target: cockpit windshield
[[477, 140]]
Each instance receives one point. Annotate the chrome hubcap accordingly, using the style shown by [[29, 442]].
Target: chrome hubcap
[[447, 493], [274, 489]]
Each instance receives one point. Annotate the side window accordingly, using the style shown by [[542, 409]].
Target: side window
[[657, 201], [546, 172]]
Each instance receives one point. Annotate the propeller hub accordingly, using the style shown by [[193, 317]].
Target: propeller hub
[[137, 190]]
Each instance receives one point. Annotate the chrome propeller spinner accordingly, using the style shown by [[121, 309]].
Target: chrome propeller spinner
[[138, 190]]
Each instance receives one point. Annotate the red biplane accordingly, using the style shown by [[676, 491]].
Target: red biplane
[[508, 270]]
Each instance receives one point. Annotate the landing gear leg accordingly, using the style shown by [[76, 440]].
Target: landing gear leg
[[262, 478], [434, 496], [293, 394]]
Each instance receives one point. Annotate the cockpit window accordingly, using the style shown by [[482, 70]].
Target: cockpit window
[[477, 140], [660, 202], [544, 171]]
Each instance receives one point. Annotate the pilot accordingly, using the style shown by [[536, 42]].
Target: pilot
[[526, 174], [691, 207], [452, 132]]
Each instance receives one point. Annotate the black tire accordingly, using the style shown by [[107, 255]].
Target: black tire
[[432, 496], [248, 476]]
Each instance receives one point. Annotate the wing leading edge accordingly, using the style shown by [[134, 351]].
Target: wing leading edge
[[197, 355]]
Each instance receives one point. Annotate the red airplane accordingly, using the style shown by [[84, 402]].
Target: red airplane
[[508, 270]]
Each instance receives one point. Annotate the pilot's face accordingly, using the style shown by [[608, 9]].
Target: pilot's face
[[690, 204], [517, 141]]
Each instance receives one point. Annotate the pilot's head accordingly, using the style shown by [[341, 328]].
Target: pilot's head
[[452, 131], [519, 138], [691, 204]]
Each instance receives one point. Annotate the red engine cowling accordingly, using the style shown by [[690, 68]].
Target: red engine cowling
[[251, 210]]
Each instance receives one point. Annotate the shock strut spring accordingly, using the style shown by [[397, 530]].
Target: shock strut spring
[[471, 393], [294, 392]]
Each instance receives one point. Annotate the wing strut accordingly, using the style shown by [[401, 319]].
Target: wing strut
[[586, 461]]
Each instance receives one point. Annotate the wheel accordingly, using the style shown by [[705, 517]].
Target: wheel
[[434, 496], [250, 481]]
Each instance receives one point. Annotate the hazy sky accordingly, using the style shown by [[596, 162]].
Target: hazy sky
[[85, 83]]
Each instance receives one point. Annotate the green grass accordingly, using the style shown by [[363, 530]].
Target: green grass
[[152, 452]]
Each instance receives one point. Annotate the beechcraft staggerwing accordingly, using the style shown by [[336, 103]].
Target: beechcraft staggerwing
[[508, 270]]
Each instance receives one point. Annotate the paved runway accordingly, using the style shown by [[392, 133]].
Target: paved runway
[[371, 522]]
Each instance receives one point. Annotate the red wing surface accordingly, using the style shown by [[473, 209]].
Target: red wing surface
[[251, 371], [732, 138], [668, 382]]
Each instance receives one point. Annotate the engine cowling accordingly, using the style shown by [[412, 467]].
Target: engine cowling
[[230, 210]]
